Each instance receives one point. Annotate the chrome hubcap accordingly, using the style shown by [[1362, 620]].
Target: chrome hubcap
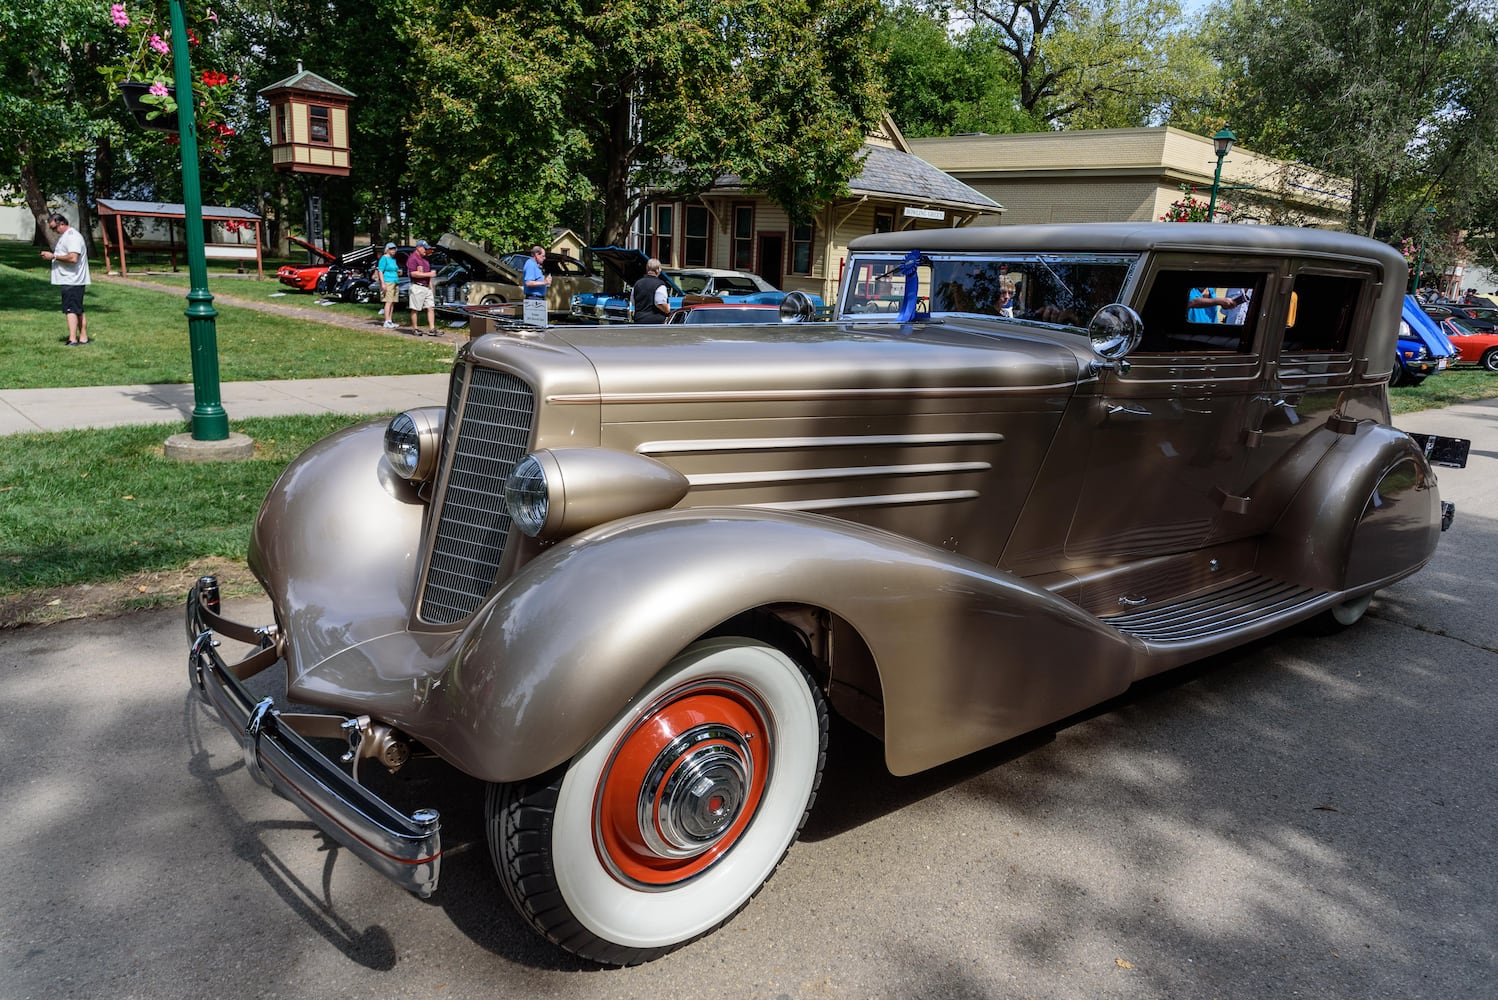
[[694, 790]]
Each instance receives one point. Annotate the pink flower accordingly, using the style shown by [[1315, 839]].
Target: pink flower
[[212, 16], [159, 45], [158, 89], [117, 13]]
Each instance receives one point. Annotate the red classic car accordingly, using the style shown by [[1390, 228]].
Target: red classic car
[[1473, 346], [303, 277]]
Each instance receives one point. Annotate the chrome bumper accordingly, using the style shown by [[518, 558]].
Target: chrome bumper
[[405, 849]]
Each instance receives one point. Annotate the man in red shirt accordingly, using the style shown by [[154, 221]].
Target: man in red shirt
[[419, 268]]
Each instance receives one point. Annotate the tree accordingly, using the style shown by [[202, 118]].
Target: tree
[[1099, 63], [532, 108], [1395, 96], [944, 85], [44, 126]]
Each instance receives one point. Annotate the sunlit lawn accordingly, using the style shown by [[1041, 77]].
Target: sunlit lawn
[[95, 506], [140, 335]]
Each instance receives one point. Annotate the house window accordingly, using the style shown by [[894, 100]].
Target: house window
[[281, 131], [320, 130], [884, 222], [801, 239], [694, 245], [743, 237], [664, 229]]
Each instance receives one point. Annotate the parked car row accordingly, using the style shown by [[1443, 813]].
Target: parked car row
[[686, 286], [467, 274]]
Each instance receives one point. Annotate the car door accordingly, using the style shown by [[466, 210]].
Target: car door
[[1166, 451], [1314, 387]]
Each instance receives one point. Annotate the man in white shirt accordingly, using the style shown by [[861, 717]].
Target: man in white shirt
[[69, 257]]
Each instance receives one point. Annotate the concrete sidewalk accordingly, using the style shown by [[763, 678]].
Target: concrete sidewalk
[[110, 406]]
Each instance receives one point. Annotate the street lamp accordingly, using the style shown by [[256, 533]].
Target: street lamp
[[1428, 211], [209, 421], [1221, 142]]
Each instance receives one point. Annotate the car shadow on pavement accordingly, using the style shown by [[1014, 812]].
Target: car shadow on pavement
[[468, 893], [371, 947], [857, 787]]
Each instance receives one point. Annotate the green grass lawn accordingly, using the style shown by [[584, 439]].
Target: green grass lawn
[[85, 508], [140, 336], [1455, 385]]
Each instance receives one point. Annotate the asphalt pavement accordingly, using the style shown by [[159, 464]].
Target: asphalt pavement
[[1304, 817]]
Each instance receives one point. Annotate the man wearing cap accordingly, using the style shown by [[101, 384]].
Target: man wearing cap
[[388, 270], [420, 296]]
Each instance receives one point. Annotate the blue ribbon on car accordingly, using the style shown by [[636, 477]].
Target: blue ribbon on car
[[910, 267]]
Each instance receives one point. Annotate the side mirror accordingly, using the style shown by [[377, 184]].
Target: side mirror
[[1115, 330], [797, 307]]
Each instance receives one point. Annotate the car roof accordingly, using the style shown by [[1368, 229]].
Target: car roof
[[1139, 237]]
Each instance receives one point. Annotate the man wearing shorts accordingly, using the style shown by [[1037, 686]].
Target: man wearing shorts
[[421, 272], [69, 257]]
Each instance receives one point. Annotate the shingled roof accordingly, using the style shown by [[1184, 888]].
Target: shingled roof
[[309, 82], [894, 174]]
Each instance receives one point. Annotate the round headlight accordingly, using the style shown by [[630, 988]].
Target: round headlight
[[526, 496], [412, 440]]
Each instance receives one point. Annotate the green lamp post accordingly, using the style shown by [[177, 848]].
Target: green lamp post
[[209, 421], [1221, 142]]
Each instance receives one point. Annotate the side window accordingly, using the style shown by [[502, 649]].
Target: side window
[[694, 248], [1322, 310], [743, 237], [320, 131], [1202, 311]]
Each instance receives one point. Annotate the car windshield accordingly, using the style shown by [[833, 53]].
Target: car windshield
[[1050, 289], [691, 284]]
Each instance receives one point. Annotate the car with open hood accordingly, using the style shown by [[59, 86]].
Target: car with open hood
[[619, 581], [304, 277]]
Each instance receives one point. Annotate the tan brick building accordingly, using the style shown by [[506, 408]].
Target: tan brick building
[[1128, 175]]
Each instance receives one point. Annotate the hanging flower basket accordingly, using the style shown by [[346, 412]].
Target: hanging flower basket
[[148, 115]]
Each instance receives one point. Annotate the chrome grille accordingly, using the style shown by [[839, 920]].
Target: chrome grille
[[483, 442]]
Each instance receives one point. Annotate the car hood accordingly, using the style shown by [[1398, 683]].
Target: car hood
[[627, 263], [479, 255], [707, 362], [1426, 330], [313, 247]]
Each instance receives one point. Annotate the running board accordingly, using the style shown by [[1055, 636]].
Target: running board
[[1230, 609]]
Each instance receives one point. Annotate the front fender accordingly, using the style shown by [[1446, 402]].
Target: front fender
[[336, 545], [967, 655]]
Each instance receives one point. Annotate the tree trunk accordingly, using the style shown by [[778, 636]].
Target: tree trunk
[[616, 193], [36, 201]]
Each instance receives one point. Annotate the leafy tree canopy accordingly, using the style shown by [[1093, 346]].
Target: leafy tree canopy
[[530, 108], [1396, 95], [944, 85]]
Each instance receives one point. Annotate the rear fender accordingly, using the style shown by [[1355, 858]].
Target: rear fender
[[1368, 515], [967, 656]]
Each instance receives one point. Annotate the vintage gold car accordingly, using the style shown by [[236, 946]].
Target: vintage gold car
[[624, 576]]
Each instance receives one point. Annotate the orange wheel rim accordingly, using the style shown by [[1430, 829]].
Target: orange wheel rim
[[683, 784]]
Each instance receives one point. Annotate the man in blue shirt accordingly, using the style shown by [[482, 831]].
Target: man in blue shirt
[[536, 280]]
